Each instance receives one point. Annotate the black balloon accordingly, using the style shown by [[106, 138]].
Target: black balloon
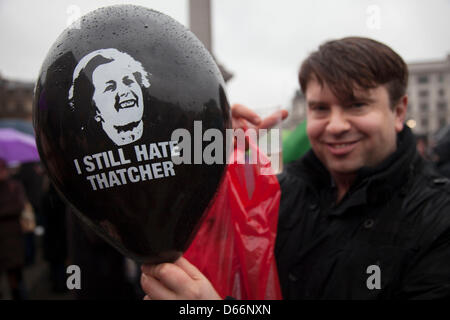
[[111, 91]]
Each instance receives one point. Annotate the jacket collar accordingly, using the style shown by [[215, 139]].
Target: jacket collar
[[373, 185]]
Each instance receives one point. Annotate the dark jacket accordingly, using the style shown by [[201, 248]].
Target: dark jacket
[[395, 217], [442, 151]]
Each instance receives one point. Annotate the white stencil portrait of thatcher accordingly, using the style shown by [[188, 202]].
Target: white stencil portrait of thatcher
[[117, 95]]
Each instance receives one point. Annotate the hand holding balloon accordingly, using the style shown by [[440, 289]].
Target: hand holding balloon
[[245, 118], [176, 281]]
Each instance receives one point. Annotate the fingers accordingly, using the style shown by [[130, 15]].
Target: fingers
[[169, 275], [206, 289], [243, 117], [273, 119], [240, 123], [178, 280], [241, 111], [189, 268], [154, 289]]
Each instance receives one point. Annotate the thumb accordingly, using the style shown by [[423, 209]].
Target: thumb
[[189, 268]]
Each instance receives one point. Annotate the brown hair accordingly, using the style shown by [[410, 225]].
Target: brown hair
[[355, 62]]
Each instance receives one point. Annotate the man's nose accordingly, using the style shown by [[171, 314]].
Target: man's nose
[[338, 123]]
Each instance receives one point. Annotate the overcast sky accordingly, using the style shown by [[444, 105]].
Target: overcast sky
[[261, 41]]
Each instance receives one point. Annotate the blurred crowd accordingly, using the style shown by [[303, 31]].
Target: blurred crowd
[[40, 237], [436, 149]]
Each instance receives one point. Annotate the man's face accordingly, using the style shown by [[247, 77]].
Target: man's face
[[347, 136], [118, 98]]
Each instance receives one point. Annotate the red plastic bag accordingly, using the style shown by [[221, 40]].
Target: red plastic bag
[[234, 247]]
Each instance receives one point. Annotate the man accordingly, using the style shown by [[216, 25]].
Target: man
[[362, 216], [117, 95]]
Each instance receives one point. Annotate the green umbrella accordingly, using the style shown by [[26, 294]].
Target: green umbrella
[[295, 143]]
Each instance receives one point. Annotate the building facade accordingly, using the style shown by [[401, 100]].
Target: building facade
[[429, 96], [297, 113], [16, 99]]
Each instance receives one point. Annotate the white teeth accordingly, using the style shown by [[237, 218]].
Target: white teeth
[[341, 145], [127, 104]]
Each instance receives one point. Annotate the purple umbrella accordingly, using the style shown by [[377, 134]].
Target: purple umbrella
[[17, 147]]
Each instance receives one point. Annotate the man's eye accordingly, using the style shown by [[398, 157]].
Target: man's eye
[[358, 105], [320, 108]]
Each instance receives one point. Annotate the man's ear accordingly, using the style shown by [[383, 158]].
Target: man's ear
[[400, 113]]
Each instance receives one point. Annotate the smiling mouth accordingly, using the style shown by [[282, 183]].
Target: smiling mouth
[[342, 145], [340, 149], [127, 104]]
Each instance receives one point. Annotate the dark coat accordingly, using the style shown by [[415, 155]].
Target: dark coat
[[12, 247], [442, 150], [395, 217], [444, 168]]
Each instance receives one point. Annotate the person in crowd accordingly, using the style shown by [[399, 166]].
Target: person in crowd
[[12, 244], [362, 215], [31, 176]]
